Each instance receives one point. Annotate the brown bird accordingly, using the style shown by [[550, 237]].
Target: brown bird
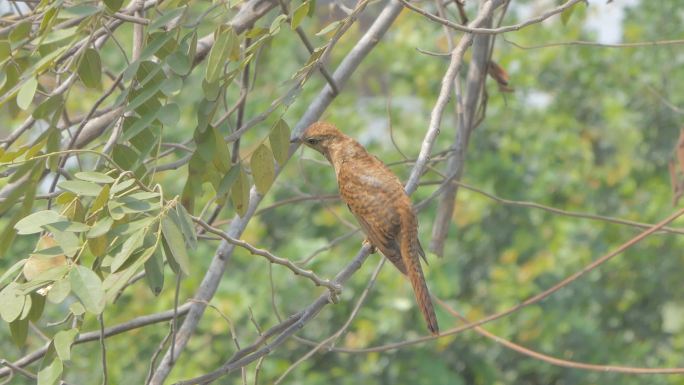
[[377, 199]]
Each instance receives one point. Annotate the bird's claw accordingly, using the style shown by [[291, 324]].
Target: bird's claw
[[334, 295], [372, 249]]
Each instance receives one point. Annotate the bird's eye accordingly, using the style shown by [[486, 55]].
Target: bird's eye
[[312, 141]]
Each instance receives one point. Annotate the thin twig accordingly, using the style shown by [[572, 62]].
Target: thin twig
[[472, 29]]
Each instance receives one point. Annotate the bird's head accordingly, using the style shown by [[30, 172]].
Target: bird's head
[[321, 136]]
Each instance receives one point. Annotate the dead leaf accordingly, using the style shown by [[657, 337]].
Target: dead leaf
[[38, 263]]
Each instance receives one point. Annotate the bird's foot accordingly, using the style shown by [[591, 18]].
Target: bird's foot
[[373, 249], [334, 293]]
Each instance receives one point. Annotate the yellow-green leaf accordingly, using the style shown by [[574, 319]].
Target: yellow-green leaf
[[240, 193], [263, 169], [174, 239], [299, 14], [26, 93], [280, 141]]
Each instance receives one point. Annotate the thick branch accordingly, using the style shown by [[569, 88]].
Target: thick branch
[[445, 94], [477, 74]]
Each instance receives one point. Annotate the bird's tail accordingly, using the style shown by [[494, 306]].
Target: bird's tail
[[410, 255]]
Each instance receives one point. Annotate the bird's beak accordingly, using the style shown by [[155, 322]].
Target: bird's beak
[[296, 139]]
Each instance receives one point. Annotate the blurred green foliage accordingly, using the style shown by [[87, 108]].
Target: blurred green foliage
[[586, 129]]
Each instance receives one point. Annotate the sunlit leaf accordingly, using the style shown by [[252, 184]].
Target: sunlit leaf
[[63, 340], [12, 302], [87, 286], [34, 223], [50, 374], [10, 273], [299, 14], [81, 187], [220, 51], [26, 93], [59, 291], [94, 176]]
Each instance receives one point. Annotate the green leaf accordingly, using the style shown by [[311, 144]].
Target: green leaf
[[222, 154], [48, 106], [98, 245], [240, 193], [59, 291], [34, 223], [206, 144], [19, 331], [154, 272], [134, 126], [299, 14], [172, 85], [81, 187], [38, 304], [12, 302], [280, 141], [19, 32], [174, 239], [87, 286], [90, 69], [100, 201], [225, 39], [77, 309], [82, 10], [113, 5], [131, 244], [169, 114], [227, 181], [26, 93], [116, 281], [93, 176], [12, 271], [156, 41], [164, 19], [120, 186], [126, 158], [179, 62], [275, 24], [146, 141], [63, 340], [5, 50], [330, 27], [50, 374], [263, 170], [186, 226], [143, 95], [566, 14], [100, 227]]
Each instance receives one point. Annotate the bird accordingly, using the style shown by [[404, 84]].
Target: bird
[[376, 197]]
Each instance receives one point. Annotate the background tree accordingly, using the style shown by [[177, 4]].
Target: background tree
[[149, 211]]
